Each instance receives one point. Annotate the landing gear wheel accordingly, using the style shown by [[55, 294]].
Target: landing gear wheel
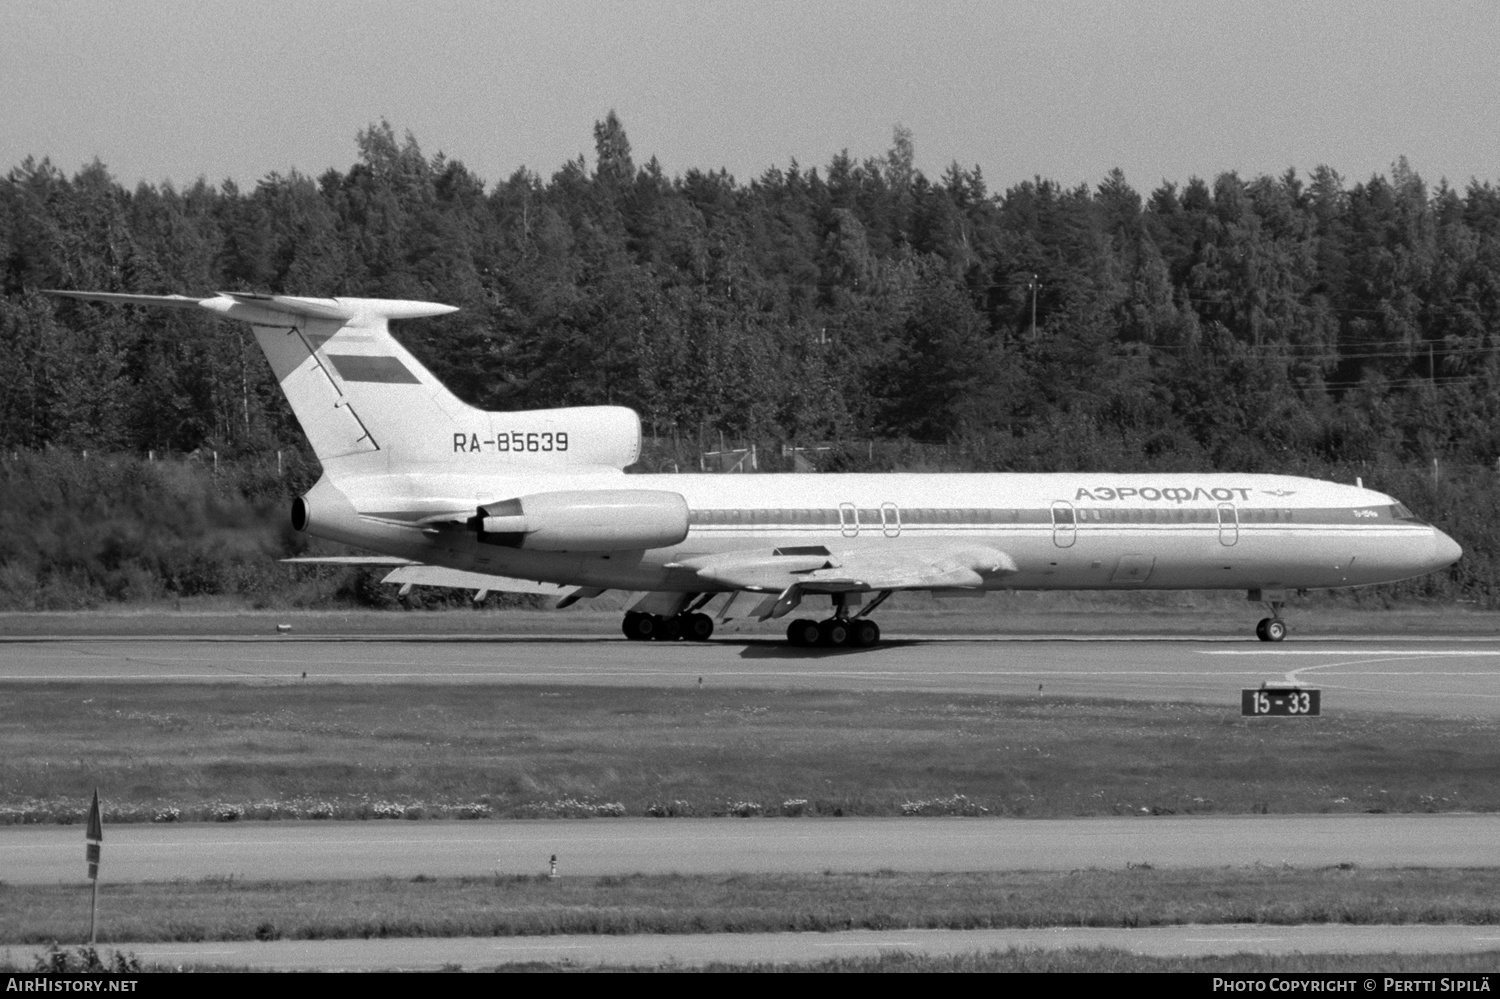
[[864, 633], [802, 632], [697, 627], [668, 629], [1270, 629], [639, 627], [833, 632]]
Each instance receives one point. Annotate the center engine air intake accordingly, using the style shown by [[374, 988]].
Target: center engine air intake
[[605, 520]]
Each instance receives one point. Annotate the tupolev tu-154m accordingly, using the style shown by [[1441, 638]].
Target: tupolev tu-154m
[[539, 502]]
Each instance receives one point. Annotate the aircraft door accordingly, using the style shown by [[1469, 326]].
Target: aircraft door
[[890, 520], [1064, 524], [848, 520], [1229, 525], [1133, 569]]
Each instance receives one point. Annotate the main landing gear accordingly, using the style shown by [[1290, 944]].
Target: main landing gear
[[860, 634], [857, 632], [692, 626]]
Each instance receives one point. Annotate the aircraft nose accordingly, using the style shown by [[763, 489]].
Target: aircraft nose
[[1445, 551]]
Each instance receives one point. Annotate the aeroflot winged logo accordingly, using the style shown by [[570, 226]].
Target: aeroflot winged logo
[[1172, 494], [1279, 492]]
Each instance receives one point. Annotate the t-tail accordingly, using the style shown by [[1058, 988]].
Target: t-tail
[[368, 407]]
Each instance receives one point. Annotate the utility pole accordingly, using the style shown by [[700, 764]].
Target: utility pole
[[1035, 285]]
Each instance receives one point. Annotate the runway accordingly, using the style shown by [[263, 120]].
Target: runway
[[291, 851], [1439, 677]]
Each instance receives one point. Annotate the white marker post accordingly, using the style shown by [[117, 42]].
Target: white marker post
[[553, 872], [94, 840]]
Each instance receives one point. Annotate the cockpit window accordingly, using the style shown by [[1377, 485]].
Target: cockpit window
[[1399, 511]]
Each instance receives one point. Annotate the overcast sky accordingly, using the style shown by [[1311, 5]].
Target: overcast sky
[[176, 90]]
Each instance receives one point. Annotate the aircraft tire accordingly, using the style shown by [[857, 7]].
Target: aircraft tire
[[668, 629], [833, 632], [1260, 629], [697, 627], [864, 633], [802, 632], [1275, 629], [639, 627]]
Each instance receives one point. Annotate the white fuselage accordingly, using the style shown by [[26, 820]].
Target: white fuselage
[[1062, 531]]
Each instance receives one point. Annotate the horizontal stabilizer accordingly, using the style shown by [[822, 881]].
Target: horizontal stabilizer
[[171, 301], [254, 308]]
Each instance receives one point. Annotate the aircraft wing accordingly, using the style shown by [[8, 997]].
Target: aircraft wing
[[350, 560], [437, 575], [406, 572], [857, 570]]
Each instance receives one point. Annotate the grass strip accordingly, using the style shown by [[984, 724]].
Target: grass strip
[[224, 909], [1015, 959], [315, 750], [1086, 960], [1100, 959]]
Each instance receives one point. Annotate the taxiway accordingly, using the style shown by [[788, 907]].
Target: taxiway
[[340, 850]]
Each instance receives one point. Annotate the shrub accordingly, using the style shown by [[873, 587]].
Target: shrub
[[84, 961], [744, 809]]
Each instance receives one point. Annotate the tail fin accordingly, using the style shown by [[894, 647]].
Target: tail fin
[[367, 405]]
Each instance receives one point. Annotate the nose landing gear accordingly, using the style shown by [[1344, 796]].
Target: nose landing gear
[[1270, 629], [1273, 628]]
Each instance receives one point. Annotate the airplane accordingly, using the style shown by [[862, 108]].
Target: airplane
[[538, 501]]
